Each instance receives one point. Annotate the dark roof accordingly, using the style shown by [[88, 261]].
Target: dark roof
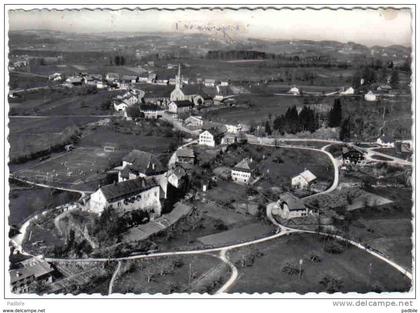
[[294, 203], [216, 132], [128, 188], [246, 165], [142, 162], [150, 107], [183, 103], [31, 267], [185, 153], [193, 90], [156, 91]]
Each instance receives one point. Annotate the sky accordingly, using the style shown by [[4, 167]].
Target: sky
[[369, 27]]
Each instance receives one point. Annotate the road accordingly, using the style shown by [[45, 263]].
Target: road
[[282, 231]]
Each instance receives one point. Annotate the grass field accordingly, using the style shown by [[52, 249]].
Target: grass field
[[198, 273], [353, 270]]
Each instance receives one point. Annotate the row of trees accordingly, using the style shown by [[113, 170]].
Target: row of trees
[[293, 121]]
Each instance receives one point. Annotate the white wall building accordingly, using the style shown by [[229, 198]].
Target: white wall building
[[242, 172], [303, 180]]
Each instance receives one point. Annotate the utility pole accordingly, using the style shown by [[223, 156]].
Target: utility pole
[[300, 268]]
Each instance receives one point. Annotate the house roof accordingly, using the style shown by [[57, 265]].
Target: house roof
[[183, 103], [30, 267], [216, 132], [196, 118], [185, 153], [156, 91], [292, 202], [150, 107], [246, 165], [142, 161], [193, 90], [121, 190], [308, 176]]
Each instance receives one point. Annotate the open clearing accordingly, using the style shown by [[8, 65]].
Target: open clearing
[[351, 270]]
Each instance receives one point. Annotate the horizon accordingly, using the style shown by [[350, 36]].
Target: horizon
[[386, 27]]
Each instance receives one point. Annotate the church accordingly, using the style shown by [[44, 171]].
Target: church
[[191, 93]]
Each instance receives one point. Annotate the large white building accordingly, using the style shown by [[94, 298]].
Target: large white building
[[303, 180], [137, 194], [210, 137], [242, 172]]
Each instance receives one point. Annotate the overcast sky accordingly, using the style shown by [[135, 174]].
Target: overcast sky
[[370, 27]]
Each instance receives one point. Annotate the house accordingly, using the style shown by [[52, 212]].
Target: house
[[186, 93], [157, 94], [179, 107], [28, 272], [209, 82], [347, 92], [139, 164], [294, 91], [384, 88], [74, 80], [176, 176], [194, 121], [129, 79], [370, 96], [151, 78], [404, 146], [142, 193], [151, 111], [385, 141], [210, 137], [55, 77], [352, 156], [288, 206], [222, 92], [242, 172], [185, 155], [111, 77], [120, 106], [228, 139], [234, 129], [303, 180]]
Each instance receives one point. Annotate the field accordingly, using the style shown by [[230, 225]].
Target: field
[[81, 168], [274, 267], [198, 273], [393, 152], [257, 109], [26, 200], [22, 80]]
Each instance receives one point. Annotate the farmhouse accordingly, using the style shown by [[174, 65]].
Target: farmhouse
[[352, 156], [30, 271], [139, 164], [303, 180], [294, 91], [157, 94], [179, 107], [370, 96], [74, 80], [111, 77], [209, 82], [142, 193], [186, 93], [242, 172], [385, 141], [185, 155], [151, 111], [288, 206], [210, 137], [228, 139], [193, 121], [347, 92]]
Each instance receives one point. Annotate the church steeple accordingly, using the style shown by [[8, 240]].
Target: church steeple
[[178, 79]]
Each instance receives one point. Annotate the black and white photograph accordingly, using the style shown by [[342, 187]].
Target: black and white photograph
[[209, 150]]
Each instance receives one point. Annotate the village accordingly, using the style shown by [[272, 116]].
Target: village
[[161, 173]]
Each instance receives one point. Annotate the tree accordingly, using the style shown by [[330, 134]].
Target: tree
[[345, 130], [395, 80], [334, 117], [268, 128]]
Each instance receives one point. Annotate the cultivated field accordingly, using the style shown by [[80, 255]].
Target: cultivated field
[[274, 267]]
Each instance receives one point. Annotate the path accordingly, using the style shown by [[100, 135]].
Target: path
[[114, 276]]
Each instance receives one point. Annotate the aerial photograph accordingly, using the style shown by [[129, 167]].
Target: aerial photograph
[[210, 151]]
